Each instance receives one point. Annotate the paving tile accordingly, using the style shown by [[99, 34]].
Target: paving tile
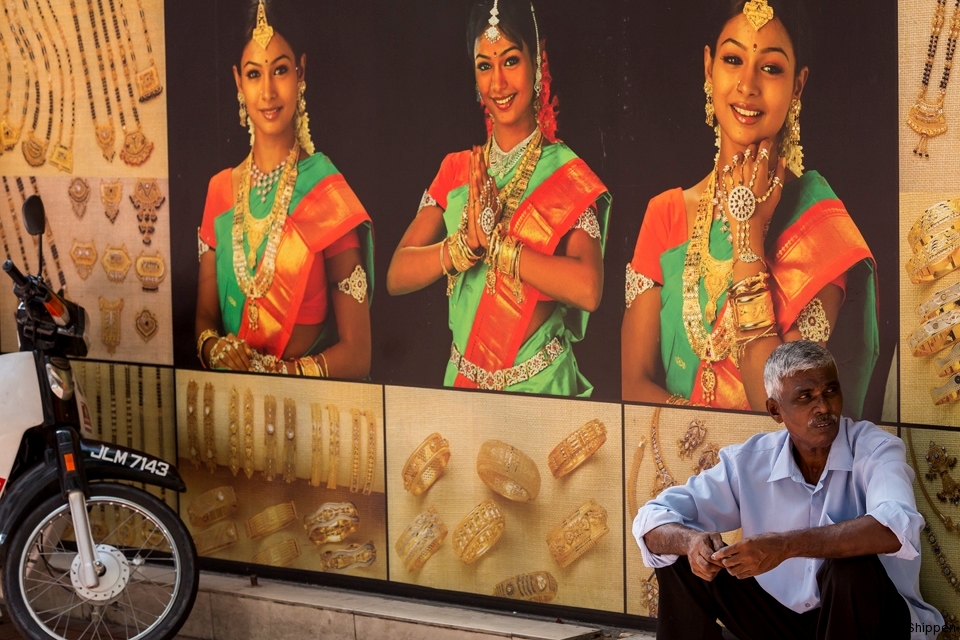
[[255, 619], [369, 628]]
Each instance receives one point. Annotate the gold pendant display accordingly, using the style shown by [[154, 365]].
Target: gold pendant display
[[151, 271], [106, 139], [147, 200], [62, 158], [253, 315], [148, 84], [110, 323], [708, 381], [79, 192], [34, 150], [84, 255], [116, 262], [136, 148], [110, 194], [146, 324], [9, 134]]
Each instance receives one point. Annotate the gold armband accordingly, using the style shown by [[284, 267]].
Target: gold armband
[[536, 586], [426, 464], [508, 471], [210, 506], [578, 533], [478, 531], [271, 520], [355, 285], [576, 448], [753, 311], [421, 539]]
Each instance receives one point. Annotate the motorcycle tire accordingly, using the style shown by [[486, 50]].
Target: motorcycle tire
[[151, 575]]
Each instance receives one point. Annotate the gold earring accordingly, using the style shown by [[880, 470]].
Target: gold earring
[[243, 109], [708, 107], [303, 120], [790, 148]]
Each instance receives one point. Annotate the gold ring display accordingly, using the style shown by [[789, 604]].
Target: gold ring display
[[421, 539], [576, 448], [332, 522], [535, 586], [478, 531], [508, 471], [271, 520], [353, 557], [280, 554], [578, 533], [210, 506], [426, 464]]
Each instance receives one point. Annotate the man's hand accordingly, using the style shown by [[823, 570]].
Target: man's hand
[[752, 556], [703, 546]]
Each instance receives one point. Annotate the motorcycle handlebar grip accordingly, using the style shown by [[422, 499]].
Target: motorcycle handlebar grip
[[14, 273]]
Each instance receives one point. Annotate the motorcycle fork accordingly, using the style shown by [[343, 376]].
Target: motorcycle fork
[[73, 485]]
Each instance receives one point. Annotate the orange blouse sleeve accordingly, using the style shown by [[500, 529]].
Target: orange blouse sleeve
[[453, 173], [219, 200], [664, 226]]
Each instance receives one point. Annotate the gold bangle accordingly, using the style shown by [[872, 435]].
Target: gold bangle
[[426, 464], [935, 216], [536, 586], [216, 538], [939, 303], [205, 335], [332, 522], [353, 557], [310, 367], [271, 520], [210, 506], [371, 452], [325, 370], [677, 399], [248, 433], [234, 430], [478, 531], [355, 451], [750, 284], [950, 363], [753, 311], [209, 437], [443, 264], [193, 431], [333, 462], [508, 471], [269, 437], [289, 440], [578, 533], [935, 259], [950, 392], [280, 554], [576, 448], [935, 334], [421, 539], [316, 444]]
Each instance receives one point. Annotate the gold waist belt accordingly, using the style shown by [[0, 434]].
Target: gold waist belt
[[497, 380]]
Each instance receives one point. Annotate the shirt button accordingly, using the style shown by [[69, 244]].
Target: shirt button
[[807, 605]]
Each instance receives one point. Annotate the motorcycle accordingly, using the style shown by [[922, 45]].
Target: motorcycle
[[84, 551]]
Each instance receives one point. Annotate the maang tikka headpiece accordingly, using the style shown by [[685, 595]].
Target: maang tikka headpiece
[[758, 13], [263, 32], [493, 33], [538, 83]]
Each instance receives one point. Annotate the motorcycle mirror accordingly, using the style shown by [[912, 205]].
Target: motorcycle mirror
[[34, 216]]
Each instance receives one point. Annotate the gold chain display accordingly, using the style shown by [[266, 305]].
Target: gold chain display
[[6, 131], [103, 132], [34, 149], [11, 134], [62, 155], [926, 116], [148, 80]]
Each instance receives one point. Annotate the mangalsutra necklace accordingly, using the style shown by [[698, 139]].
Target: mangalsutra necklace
[[8, 132], [34, 149], [502, 162], [11, 134], [148, 80], [62, 155], [103, 133], [926, 116], [264, 182]]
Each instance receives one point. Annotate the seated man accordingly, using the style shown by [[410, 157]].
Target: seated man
[[831, 532]]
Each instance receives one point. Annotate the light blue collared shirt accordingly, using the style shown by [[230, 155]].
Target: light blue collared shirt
[[757, 486]]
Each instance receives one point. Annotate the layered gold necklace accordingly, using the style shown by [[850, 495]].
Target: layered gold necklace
[[715, 346], [511, 194], [256, 286]]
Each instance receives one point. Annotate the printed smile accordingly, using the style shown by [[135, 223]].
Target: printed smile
[[746, 113], [504, 103], [270, 114]]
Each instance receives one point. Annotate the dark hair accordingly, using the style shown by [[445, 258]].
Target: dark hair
[[792, 15], [516, 23], [282, 17]]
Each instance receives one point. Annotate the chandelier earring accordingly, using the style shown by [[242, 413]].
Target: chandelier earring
[[790, 148], [479, 98], [303, 120], [243, 109], [708, 107]]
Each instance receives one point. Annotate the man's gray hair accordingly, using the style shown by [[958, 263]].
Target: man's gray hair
[[791, 358]]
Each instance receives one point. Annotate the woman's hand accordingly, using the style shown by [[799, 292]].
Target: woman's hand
[[483, 208], [749, 191], [230, 352]]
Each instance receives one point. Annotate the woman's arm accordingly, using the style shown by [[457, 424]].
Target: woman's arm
[[573, 275], [350, 356], [640, 349], [234, 354], [416, 262]]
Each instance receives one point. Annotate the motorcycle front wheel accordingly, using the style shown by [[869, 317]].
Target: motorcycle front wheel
[[150, 570]]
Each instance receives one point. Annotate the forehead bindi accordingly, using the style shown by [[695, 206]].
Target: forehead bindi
[[486, 49], [772, 38]]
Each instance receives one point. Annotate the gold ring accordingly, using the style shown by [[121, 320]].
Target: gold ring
[[536, 586], [210, 506], [508, 471], [425, 464], [421, 539], [576, 448], [478, 531], [578, 533], [271, 520], [280, 554]]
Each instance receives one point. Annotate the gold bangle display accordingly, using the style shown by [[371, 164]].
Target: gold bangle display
[[353, 557], [508, 471], [332, 522], [421, 539], [316, 444], [371, 452], [535, 586], [216, 538], [478, 531], [753, 311], [950, 392], [939, 303], [269, 437], [205, 335], [280, 554], [289, 440], [193, 433], [576, 448], [950, 363], [578, 533], [426, 464], [234, 431], [933, 218], [355, 450], [333, 462], [210, 506], [933, 335], [248, 433], [271, 520], [209, 437], [937, 258]]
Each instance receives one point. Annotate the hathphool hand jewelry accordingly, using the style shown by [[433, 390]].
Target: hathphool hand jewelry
[[692, 438], [663, 478], [508, 471], [280, 554], [421, 539], [478, 532], [536, 586], [426, 464], [62, 155], [926, 116], [110, 323], [269, 437], [577, 533], [211, 506], [577, 448]]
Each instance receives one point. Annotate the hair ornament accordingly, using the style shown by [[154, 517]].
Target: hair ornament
[[538, 84], [263, 32], [758, 13], [493, 33]]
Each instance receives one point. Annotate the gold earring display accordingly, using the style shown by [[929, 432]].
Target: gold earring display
[[578, 533], [146, 325], [243, 110], [508, 471]]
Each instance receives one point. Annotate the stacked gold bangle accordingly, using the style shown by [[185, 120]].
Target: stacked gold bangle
[[461, 255], [933, 335], [950, 363], [950, 392], [210, 506], [935, 255], [939, 303], [425, 464], [332, 522], [677, 399], [205, 335], [932, 220], [535, 586], [271, 520], [752, 303], [576, 448], [503, 256], [578, 533], [478, 531], [508, 471], [353, 557], [421, 539]]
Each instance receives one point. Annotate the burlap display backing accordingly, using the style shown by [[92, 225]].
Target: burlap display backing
[[919, 375], [535, 426]]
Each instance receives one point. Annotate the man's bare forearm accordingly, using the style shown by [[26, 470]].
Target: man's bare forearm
[[861, 536], [672, 538]]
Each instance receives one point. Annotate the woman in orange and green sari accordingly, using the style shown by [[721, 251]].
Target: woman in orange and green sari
[[517, 226], [758, 252], [285, 246]]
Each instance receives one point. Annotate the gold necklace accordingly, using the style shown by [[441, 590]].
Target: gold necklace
[[106, 134], [62, 156], [148, 80], [510, 195], [717, 277], [6, 131], [926, 117], [256, 287], [11, 133], [34, 149], [714, 346]]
